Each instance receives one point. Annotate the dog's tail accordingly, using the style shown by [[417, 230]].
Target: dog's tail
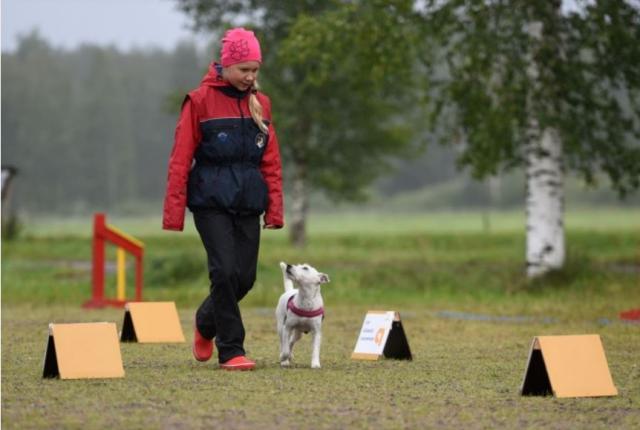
[[288, 283]]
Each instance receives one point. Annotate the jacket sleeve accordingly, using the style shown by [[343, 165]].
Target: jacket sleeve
[[187, 138], [271, 169]]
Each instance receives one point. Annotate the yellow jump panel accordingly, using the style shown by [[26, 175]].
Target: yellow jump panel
[[152, 322], [571, 366], [86, 350]]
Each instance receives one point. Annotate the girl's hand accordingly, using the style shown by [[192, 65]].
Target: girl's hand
[[271, 226]]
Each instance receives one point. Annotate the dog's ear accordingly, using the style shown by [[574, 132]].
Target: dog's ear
[[324, 278]]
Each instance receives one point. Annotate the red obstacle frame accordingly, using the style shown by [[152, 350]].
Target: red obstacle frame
[[104, 233]]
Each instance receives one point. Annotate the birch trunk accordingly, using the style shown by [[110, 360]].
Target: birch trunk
[[544, 177], [299, 206], [545, 203]]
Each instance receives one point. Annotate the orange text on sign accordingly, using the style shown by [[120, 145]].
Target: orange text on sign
[[379, 336]]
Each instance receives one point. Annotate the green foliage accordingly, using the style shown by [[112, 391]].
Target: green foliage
[[352, 67], [379, 36], [587, 86]]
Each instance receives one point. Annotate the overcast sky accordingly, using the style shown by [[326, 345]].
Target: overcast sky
[[123, 23]]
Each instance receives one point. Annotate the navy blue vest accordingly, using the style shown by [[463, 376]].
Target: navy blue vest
[[226, 174]]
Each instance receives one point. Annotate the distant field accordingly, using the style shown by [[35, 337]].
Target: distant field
[[366, 264], [372, 258], [366, 221]]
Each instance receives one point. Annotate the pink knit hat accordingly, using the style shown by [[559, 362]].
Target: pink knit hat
[[238, 46]]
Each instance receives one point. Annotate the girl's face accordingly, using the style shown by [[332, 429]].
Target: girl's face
[[242, 75]]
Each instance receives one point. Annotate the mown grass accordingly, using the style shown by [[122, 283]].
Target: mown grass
[[465, 374], [468, 312]]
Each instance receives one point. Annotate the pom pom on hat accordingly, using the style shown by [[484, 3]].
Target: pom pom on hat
[[238, 46]]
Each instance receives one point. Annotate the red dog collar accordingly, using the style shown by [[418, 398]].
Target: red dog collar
[[302, 312]]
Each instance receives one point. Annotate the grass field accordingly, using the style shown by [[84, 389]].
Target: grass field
[[467, 310], [366, 222]]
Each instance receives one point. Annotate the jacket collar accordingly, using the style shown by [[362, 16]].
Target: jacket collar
[[233, 92], [213, 78]]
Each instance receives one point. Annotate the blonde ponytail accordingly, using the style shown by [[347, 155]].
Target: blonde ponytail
[[256, 108]]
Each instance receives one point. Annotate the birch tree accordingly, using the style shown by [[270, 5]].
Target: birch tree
[[544, 87]]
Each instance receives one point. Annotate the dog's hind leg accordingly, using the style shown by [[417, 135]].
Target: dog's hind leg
[[315, 352]]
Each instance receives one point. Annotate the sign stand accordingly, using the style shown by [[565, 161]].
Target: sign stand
[[382, 334], [79, 351], [151, 322], [567, 366]]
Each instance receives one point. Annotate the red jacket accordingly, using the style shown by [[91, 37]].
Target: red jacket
[[220, 159]]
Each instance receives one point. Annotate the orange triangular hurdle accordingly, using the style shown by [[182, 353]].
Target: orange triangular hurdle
[[86, 350], [151, 322], [568, 366]]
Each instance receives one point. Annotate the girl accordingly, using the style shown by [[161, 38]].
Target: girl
[[225, 166]]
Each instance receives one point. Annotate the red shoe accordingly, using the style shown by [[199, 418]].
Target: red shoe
[[202, 348], [238, 363]]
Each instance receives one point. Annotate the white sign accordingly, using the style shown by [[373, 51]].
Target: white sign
[[382, 334], [373, 335]]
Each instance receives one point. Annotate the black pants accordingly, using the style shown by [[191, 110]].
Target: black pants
[[232, 244]]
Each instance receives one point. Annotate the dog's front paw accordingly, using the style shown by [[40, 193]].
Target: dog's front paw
[[285, 363], [315, 365]]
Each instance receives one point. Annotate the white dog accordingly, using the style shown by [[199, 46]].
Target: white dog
[[300, 310]]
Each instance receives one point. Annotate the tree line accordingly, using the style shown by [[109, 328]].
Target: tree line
[[91, 128]]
